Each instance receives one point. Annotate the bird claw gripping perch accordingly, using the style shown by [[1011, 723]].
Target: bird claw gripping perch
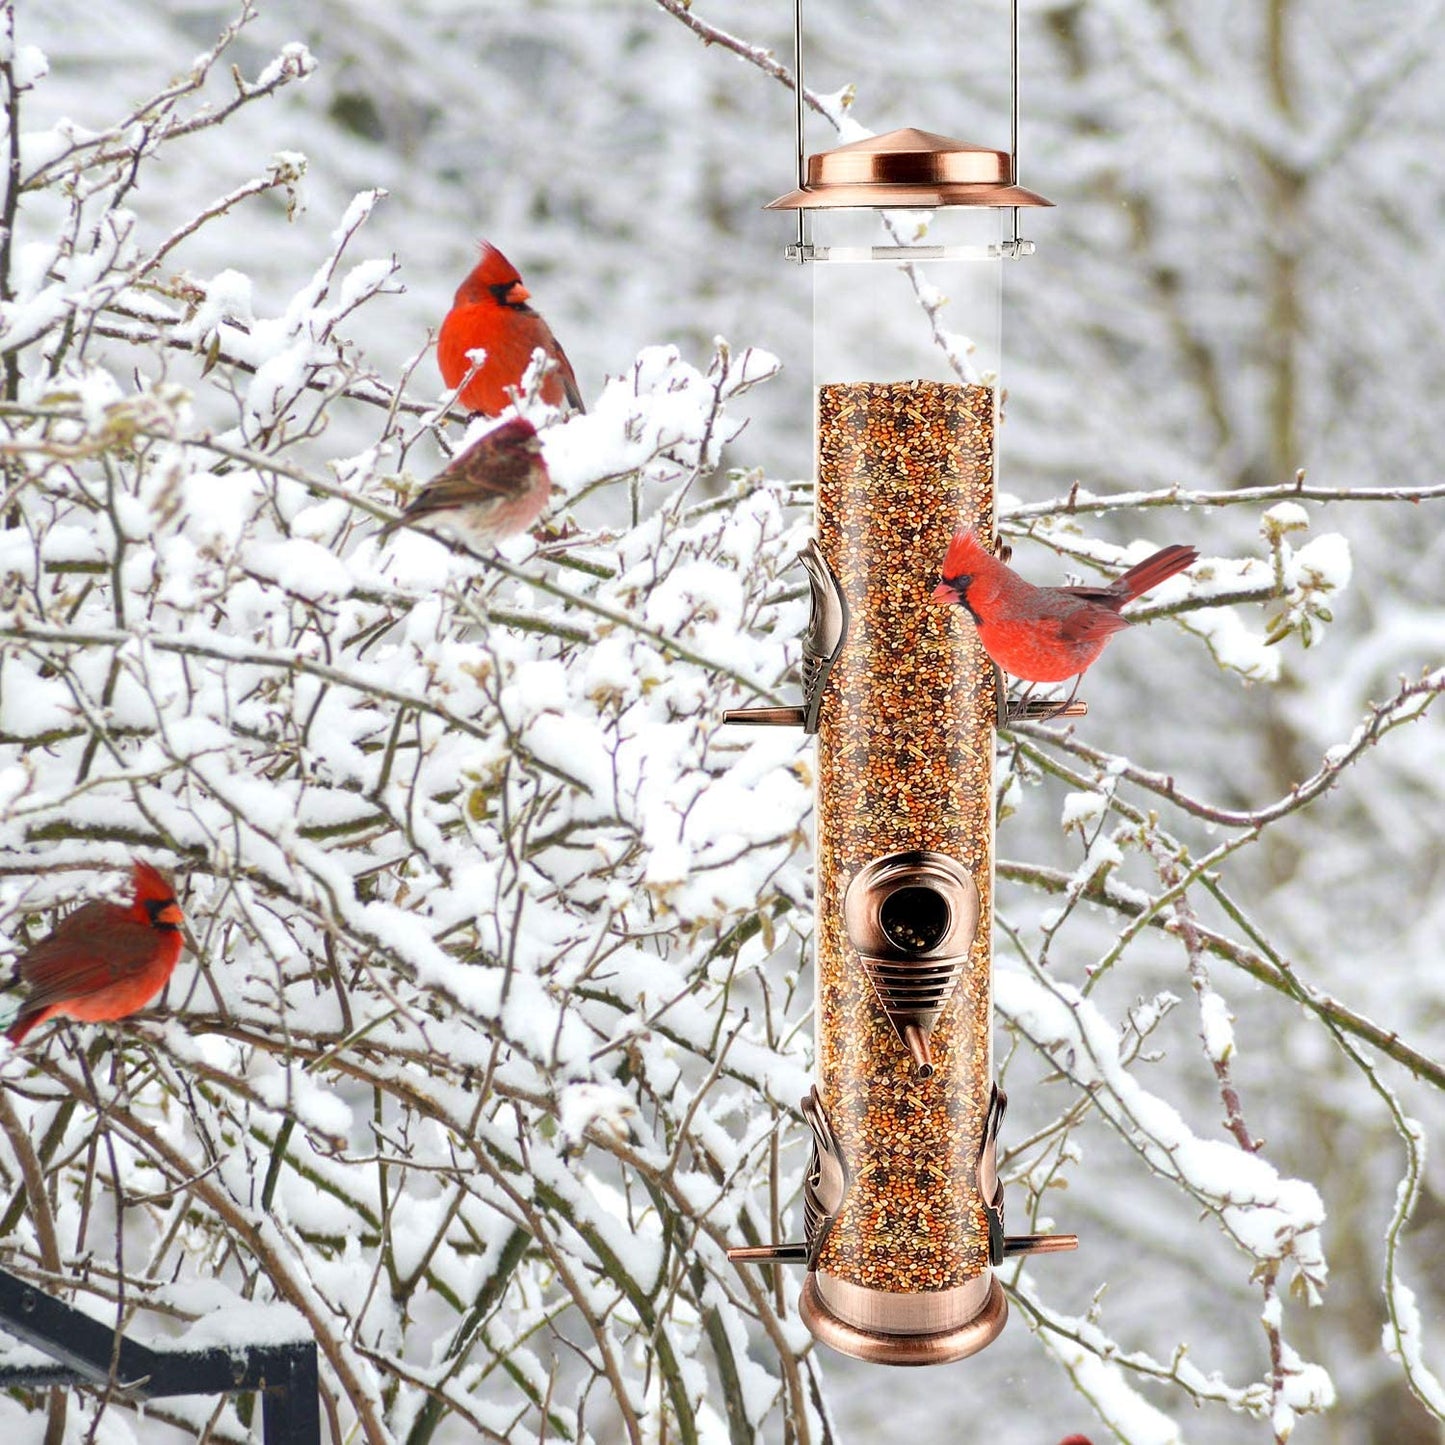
[[1024, 708], [1040, 709], [822, 646]]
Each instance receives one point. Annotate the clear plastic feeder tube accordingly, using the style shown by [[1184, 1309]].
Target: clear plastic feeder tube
[[906, 361]]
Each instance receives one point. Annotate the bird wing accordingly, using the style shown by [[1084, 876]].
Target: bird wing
[[1100, 596], [564, 370], [1092, 621], [538, 333], [485, 472], [93, 947], [569, 385]]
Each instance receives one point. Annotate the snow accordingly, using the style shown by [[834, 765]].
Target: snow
[[30, 65], [1267, 1215], [1235, 645], [226, 298], [1081, 809], [1323, 564], [1403, 1340], [1215, 1025], [1284, 517], [1306, 1389], [294, 60], [1106, 1388], [247, 1323], [296, 1093], [303, 567], [581, 1107]]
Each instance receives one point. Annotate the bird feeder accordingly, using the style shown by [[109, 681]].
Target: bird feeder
[[906, 236]]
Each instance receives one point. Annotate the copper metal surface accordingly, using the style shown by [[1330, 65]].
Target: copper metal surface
[[913, 979], [1039, 1243], [824, 1187], [921, 1344], [927, 1313], [986, 1170], [822, 645], [915, 1040], [903, 1211], [769, 1254], [877, 881], [1014, 245], [827, 1179], [827, 629], [990, 1188], [766, 717], [908, 168]]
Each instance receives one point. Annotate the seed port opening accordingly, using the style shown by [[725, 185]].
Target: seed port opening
[[913, 919]]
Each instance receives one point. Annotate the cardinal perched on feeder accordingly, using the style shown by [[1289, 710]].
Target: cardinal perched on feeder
[[105, 960], [490, 313], [1044, 634], [496, 488]]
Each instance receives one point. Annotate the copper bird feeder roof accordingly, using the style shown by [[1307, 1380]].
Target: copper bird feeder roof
[[908, 168]]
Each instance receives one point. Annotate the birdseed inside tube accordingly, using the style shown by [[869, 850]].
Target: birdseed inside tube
[[905, 761]]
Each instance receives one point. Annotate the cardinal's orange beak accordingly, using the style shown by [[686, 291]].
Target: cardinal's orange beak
[[944, 593], [518, 294]]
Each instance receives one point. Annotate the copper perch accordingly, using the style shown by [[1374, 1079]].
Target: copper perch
[[1039, 1243], [769, 1254], [822, 646], [766, 717]]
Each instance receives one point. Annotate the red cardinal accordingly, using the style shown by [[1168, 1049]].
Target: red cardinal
[[490, 312], [1044, 634], [104, 961], [494, 489]]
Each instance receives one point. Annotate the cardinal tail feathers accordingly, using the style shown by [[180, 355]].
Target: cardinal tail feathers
[[1153, 570], [22, 1023]]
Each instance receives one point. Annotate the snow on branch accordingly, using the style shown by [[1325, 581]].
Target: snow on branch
[[473, 881]]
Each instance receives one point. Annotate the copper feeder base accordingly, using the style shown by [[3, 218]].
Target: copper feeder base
[[936, 1348]]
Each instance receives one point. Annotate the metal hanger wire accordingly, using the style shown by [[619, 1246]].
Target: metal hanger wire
[[799, 109]]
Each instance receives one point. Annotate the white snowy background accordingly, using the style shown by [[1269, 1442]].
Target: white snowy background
[[497, 1015]]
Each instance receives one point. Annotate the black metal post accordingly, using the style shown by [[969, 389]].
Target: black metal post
[[88, 1353]]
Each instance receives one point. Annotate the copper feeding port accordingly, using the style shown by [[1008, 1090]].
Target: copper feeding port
[[912, 918]]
